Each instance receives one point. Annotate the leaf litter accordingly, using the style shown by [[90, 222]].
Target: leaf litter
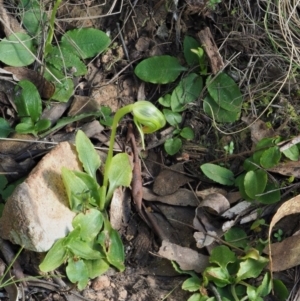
[[170, 200]]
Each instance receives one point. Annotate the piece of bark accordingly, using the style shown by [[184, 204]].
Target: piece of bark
[[211, 49]]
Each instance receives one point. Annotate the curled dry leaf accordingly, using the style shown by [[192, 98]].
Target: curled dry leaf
[[289, 168], [285, 254], [187, 258]]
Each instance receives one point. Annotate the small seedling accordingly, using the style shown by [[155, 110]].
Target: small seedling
[[278, 235], [229, 148]]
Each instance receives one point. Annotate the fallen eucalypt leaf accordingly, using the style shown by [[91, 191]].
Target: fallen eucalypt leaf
[[93, 245]]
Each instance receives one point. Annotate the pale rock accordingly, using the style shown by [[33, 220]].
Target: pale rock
[[37, 213]]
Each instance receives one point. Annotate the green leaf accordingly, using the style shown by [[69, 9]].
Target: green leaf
[[188, 44], [218, 275], [165, 101], [42, 125], [87, 154], [172, 118], [76, 188], [13, 53], [265, 288], [172, 146], [3, 183], [90, 224], [280, 290], [192, 284], [212, 109], [28, 100], [270, 157], [187, 91], [292, 153], [225, 92], [159, 69], [271, 194], [25, 128], [112, 244], [55, 257], [187, 133], [83, 250], [85, 42], [218, 174], [77, 272], [251, 268], [119, 173], [197, 297], [5, 128], [96, 267], [255, 182], [61, 58], [222, 256], [63, 90], [236, 237], [249, 164]]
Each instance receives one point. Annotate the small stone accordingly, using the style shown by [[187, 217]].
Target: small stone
[[122, 295], [101, 283], [37, 213]]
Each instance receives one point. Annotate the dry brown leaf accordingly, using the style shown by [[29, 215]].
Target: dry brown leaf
[[182, 197], [285, 254], [45, 88], [187, 258], [169, 180], [289, 168]]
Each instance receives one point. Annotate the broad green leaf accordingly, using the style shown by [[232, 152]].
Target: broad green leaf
[[5, 128], [252, 293], [42, 125], [87, 154], [13, 52], [218, 174], [197, 297], [249, 164], [119, 172], [77, 272], [292, 153], [62, 58], [55, 257], [255, 182], [271, 194], [265, 288], [33, 16], [83, 250], [188, 44], [85, 42], [212, 109], [222, 256], [159, 69], [280, 290], [225, 92], [25, 128], [172, 146], [251, 268], [63, 90], [187, 133], [165, 101], [76, 189], [187, 91], [172, 118], [90, 224], [218, 275], [96, 267], [73, 235], [111, 242], [261, 147], [239, 182], [236, 237], [192, 284], [270, 157], [28, 100]]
